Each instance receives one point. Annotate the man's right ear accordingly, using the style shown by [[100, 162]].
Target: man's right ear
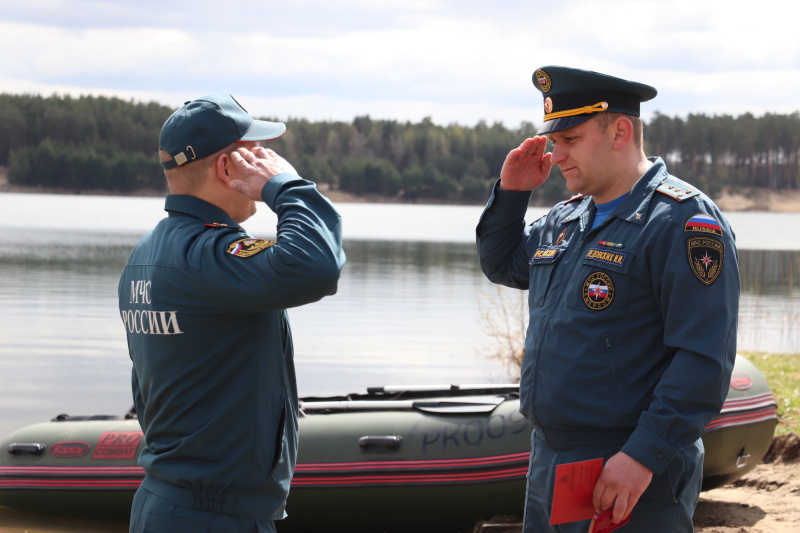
[[225, 169], [623, 131]]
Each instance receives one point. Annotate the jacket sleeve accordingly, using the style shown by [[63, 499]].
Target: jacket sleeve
[[695, 278], [301, 266], [502, 238]]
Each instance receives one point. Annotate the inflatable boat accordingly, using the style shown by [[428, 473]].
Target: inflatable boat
[[438, 458]]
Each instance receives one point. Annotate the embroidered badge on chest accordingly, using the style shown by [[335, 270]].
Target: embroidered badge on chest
[[706, 256], [248, 247], [598, 291]]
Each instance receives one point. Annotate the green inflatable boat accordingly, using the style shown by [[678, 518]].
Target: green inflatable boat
[[435, 458]]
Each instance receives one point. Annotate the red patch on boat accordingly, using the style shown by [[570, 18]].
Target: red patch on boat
[[69, 449], [741, 381], [117, 445]]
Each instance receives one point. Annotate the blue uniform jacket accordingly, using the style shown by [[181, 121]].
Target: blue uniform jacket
[[213, 379], [632, 332]]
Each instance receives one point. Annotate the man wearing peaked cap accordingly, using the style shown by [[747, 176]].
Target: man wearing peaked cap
[[633, 301], [573, 96], [204, 305]]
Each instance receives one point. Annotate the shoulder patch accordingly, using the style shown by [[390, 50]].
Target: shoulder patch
[[248, 247], [677, 190], [703, 223], [706, 256]]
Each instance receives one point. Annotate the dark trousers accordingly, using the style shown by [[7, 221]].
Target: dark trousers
[[152, 514], [667, 506]]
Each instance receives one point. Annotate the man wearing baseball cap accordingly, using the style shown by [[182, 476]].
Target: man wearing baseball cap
[[204, 305], [633, 301]]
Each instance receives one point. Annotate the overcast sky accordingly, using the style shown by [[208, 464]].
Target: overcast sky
[[452, 60]]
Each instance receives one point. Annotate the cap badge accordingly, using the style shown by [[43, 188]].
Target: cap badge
[[543, 79]]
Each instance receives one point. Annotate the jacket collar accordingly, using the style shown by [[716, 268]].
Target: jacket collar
[[191, 205], [635, 207]]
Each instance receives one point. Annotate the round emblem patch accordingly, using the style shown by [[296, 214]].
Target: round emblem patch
[[543, 79], [598, 291]]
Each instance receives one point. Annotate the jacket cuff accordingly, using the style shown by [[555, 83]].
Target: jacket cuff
[[651, 450], [509, 201], [271, 189]]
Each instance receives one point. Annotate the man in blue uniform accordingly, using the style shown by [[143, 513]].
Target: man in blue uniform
[[633, 296], [204, 308]]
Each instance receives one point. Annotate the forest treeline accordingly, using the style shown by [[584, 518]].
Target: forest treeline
[[108, 144]]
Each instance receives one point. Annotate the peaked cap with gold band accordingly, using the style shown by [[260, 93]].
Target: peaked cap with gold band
[[573, 96]]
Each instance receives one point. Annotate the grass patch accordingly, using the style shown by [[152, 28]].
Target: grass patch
[[782, 372]]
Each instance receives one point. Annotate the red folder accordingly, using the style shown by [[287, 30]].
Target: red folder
[[572, 495]]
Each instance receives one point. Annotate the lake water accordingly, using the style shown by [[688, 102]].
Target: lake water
[[407, 309]]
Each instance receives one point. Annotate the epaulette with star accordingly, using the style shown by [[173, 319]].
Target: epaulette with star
[[676, 189]]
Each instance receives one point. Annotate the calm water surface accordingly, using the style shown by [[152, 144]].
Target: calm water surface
[[407, 310]]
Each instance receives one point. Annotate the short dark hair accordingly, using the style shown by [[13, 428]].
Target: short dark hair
[[606, 118], [188, 177]]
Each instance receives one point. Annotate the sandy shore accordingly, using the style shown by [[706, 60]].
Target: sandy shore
[[767, 500], [760, 200]]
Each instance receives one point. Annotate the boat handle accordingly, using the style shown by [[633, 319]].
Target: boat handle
[[378, 443], [33, 449]]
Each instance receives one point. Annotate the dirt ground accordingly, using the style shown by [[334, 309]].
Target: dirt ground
[[766, 500]]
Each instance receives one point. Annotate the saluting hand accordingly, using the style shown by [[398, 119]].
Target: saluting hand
[[254, 168], [527, 166]]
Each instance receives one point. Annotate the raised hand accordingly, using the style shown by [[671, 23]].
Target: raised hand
[[527, 166], [254, 168]]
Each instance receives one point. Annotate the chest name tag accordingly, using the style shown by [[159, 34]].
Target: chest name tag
[[545, 254], [606, 256], [248, 247]]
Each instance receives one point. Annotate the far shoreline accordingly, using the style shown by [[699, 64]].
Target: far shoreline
[[742, 199]]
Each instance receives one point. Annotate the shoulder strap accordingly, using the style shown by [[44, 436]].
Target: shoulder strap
[[677, 189]]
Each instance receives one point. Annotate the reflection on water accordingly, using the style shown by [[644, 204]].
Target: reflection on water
[[769, 314], [15, 521], [405, 312]]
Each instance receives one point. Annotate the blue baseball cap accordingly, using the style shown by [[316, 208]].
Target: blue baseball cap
[[573, 96], [208, 124]]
